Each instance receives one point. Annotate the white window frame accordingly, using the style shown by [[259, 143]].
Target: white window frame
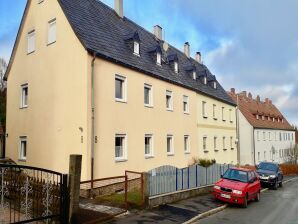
[[224, 143], [258, 135], [205, 80], [231, 143], [214, 84], [264, 136], [223, 113], [186, 104], [215, 143], [230, 115], [158, 58], [124, 88], [147, 86], [171, 152], [24, 98], [23, 157], [136, 48], [31, 42], [176, 67], [214, 112], [52, 37], [194, 75], [204, 111], [170, 94], [151, 146], [186, 142], [124, 150]]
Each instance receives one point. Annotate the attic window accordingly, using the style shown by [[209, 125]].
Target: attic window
[[136, 48], [205, 80], [176, 67], [257, 116], [158, 58], [274, 119], [214, 85], [194, 75]]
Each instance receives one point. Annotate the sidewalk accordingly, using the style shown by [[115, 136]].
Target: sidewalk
[[178, 212]]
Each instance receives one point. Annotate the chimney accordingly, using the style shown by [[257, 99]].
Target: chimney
[[233, 90], [187, 49], [118, 4], [249, 96], [243, 93], [267, 101], [157, 32], [258, 98], [198, 57], [270, 102]]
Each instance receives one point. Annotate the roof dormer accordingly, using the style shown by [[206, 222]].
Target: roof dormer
[[156, 54], [173, 61], [133, 40], [192, 71]]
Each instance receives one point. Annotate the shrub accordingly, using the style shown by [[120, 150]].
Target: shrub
[[289, 169], [203, 162]]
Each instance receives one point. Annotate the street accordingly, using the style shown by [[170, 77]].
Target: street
[[275, 207]]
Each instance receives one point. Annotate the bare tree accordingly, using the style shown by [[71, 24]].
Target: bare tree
[[3, 67]]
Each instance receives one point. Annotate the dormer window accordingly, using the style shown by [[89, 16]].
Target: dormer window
[[194, 75], [257, 116], [205, 80], [176, 67], [214, 85], [136, 48], [158, 58]]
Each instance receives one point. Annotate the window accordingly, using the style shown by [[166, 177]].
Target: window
[[224, 143], [259, 155], [158, 58], [214, 112], [263, 118], [185, 104], [136, 48], [205, 143], [264, 135], [214, 84], [120, 147], [24, 96], [215, 143], [230, 115], [148, 95], [257, 116], [120, 88], [31, 42], [280, 137], [23, 148], [258, 135], [274, 119], [52, 31], [186, 144], [194, 75], [170, 146], [40, 1], [204, 112], [231, 142], [148, 146], [269, 136], [169, 100], [223, 114], [205, 80], [176, 67], [264, 155]]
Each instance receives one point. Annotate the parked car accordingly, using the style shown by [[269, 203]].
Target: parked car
[[238, 186], [270, 174]]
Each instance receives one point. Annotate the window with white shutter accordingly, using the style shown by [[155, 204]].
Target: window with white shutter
[[31, 41], [52, 31]]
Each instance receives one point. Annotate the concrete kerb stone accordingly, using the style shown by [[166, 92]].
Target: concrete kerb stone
[[221, 208]]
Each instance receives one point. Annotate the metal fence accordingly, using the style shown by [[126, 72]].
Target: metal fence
[[166, 179]]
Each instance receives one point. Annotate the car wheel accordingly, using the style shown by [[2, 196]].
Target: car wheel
[[280, 184], [275, 186], [244, 205], [258, 196]]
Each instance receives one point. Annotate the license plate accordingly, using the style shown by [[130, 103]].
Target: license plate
[[263, 178], [225, 196]]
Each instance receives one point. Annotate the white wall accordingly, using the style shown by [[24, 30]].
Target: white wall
[[270, 140], [245, 141]]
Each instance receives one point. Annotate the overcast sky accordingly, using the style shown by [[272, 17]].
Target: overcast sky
[[251, 45]]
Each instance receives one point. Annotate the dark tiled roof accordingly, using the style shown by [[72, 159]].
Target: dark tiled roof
[[101, 31], [250, 108]]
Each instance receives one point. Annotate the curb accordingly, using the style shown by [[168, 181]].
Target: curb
[[221, 208]]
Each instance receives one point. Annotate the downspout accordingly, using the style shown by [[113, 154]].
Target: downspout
[[238, 132], [92, 123], [254, 144]]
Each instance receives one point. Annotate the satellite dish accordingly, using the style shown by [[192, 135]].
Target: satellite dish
[[165, 46]]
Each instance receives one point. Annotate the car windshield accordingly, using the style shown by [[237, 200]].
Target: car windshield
[[237, 175], [267, 166]]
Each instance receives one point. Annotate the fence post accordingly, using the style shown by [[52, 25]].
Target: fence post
[[176, 179], [196, 175], [146, 189], [64, 200], [75, 164], [188, 177], [182, 174], [126, 190], [206, 175]]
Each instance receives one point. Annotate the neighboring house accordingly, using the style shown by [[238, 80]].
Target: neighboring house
[[264, 133], [84, 79]]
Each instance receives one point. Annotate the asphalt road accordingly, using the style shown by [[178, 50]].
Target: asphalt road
[[275, 207]]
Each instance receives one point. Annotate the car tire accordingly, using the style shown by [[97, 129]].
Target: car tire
[[258, 197], [280, 184], [275, 186], [244, 205]]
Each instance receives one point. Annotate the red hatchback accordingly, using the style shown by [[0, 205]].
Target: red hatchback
[[238, 185]]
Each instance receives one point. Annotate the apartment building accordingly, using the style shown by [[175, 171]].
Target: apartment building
[[84, 79], [264, 133]]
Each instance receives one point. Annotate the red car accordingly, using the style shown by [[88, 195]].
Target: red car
[[238, 186]]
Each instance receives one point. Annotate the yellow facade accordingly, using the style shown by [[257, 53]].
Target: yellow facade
[[57, 121]]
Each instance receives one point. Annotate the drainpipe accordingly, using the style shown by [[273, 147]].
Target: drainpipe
[[92, 123], [254, 145], [238, 131]]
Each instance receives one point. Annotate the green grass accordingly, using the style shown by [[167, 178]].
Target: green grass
[[134, 199]]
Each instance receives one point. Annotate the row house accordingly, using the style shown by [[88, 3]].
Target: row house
[[85, 79], [264, 133]]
